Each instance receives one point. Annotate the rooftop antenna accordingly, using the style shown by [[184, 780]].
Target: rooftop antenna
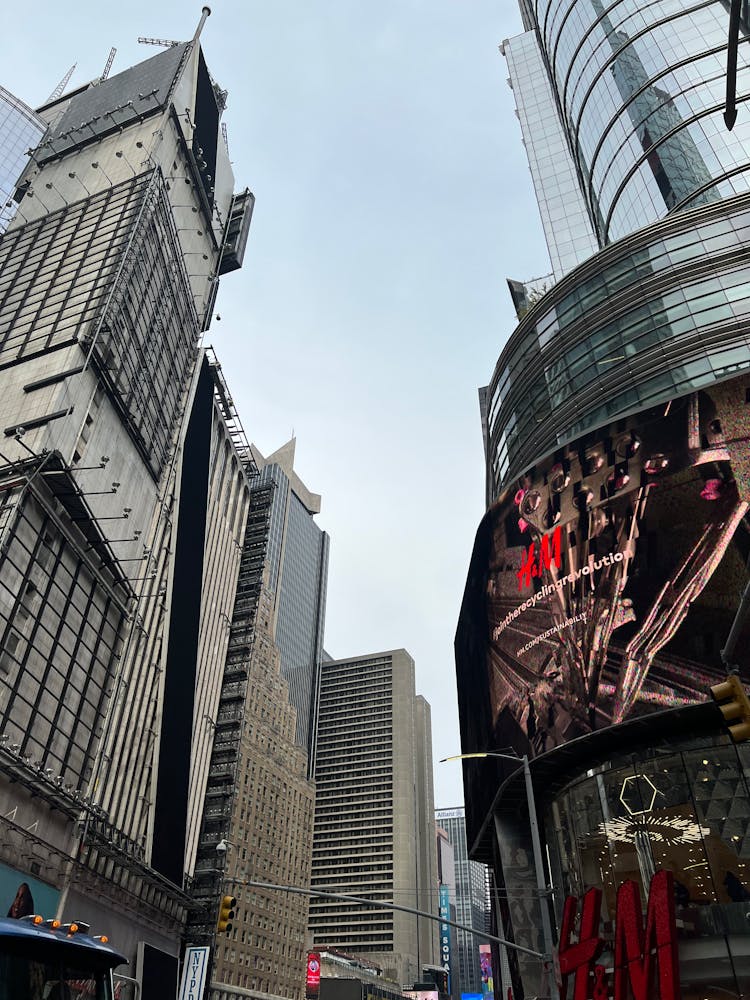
[[57, 92], [205, 12], [108, 64], [166, 43]]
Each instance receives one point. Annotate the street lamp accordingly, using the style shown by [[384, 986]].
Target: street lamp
[[536, 846]]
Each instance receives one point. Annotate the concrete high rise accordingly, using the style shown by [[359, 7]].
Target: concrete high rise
[[472, 900], [603, 595], [122, 500], [374, 831], [298, 579]]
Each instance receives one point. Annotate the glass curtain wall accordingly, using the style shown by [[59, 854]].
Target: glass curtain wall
[[687, 812]]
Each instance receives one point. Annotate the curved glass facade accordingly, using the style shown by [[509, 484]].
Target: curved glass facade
[[683, 810], [607, 573], [20, 130], [642, 91], [658, 315]]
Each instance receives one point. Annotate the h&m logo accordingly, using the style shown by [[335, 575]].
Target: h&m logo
[[533, 564], [638, 950]]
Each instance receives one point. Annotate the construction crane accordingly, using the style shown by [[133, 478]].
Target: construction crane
[[108, 64], [61, 85], [167, 43]]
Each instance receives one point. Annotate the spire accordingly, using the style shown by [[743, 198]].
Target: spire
[[206, 12]]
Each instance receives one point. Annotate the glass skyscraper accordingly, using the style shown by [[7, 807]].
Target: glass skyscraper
[[639, 90], [20, 131], [621, 115], [298, 577], [603, 599]]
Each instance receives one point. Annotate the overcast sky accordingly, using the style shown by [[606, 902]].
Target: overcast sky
[[393, 199]]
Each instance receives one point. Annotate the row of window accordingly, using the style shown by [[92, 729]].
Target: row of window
[[599, 350]]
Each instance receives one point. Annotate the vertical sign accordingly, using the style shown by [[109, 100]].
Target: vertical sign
[[194, 973], [445, 932], [312, 979], [485, 963]]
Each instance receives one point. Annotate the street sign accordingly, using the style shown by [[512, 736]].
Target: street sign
[[194, 973]]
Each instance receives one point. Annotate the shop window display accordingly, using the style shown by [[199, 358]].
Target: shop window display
[[685, 812]]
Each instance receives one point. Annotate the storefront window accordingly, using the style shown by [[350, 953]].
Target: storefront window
[[685, 812]]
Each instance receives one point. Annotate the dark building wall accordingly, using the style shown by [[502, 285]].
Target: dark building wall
[[171, 802]]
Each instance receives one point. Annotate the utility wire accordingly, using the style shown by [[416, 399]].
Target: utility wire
[[379, 903]]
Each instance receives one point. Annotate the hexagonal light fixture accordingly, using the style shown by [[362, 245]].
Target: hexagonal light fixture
[[638, 788]]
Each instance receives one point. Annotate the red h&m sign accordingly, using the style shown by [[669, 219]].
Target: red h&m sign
[[534, 564], [639, 951], [312, 980]]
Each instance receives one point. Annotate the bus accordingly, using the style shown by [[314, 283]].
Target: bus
[[46, 960]]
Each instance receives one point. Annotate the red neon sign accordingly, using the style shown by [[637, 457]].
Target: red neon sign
[[312, 980], [639, 950], [531, 566]]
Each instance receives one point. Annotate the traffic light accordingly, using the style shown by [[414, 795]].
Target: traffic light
[[735, 707], [226, 914]]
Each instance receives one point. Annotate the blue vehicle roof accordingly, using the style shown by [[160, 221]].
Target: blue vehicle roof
[[23, 936]]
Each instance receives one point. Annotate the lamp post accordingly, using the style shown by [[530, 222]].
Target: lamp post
[[536, 846]]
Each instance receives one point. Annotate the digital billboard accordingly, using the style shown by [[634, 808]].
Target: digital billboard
[[312, 974], [485, 962], [605, 581], [445, 935]]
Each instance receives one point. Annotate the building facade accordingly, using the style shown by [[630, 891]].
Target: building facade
[[371, 838], [21, 129], [270, 833], [298, 566], [472, 901], [121, 523], [607, 575], [258, 799]]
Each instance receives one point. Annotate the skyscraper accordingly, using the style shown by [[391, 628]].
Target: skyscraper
[[259, 799], [271, 824], [603, 595], [112, 564], [298, 578], [20, 131], [472, 903], [371, 835]]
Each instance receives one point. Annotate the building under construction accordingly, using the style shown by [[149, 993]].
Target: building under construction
[[124, 504]]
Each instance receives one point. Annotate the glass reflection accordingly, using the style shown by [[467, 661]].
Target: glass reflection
[[686, 812], [610, 338]]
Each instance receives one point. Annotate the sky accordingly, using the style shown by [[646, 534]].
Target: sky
[[392, 201]]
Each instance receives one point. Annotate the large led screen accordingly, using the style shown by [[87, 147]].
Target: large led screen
[[605, 581]]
